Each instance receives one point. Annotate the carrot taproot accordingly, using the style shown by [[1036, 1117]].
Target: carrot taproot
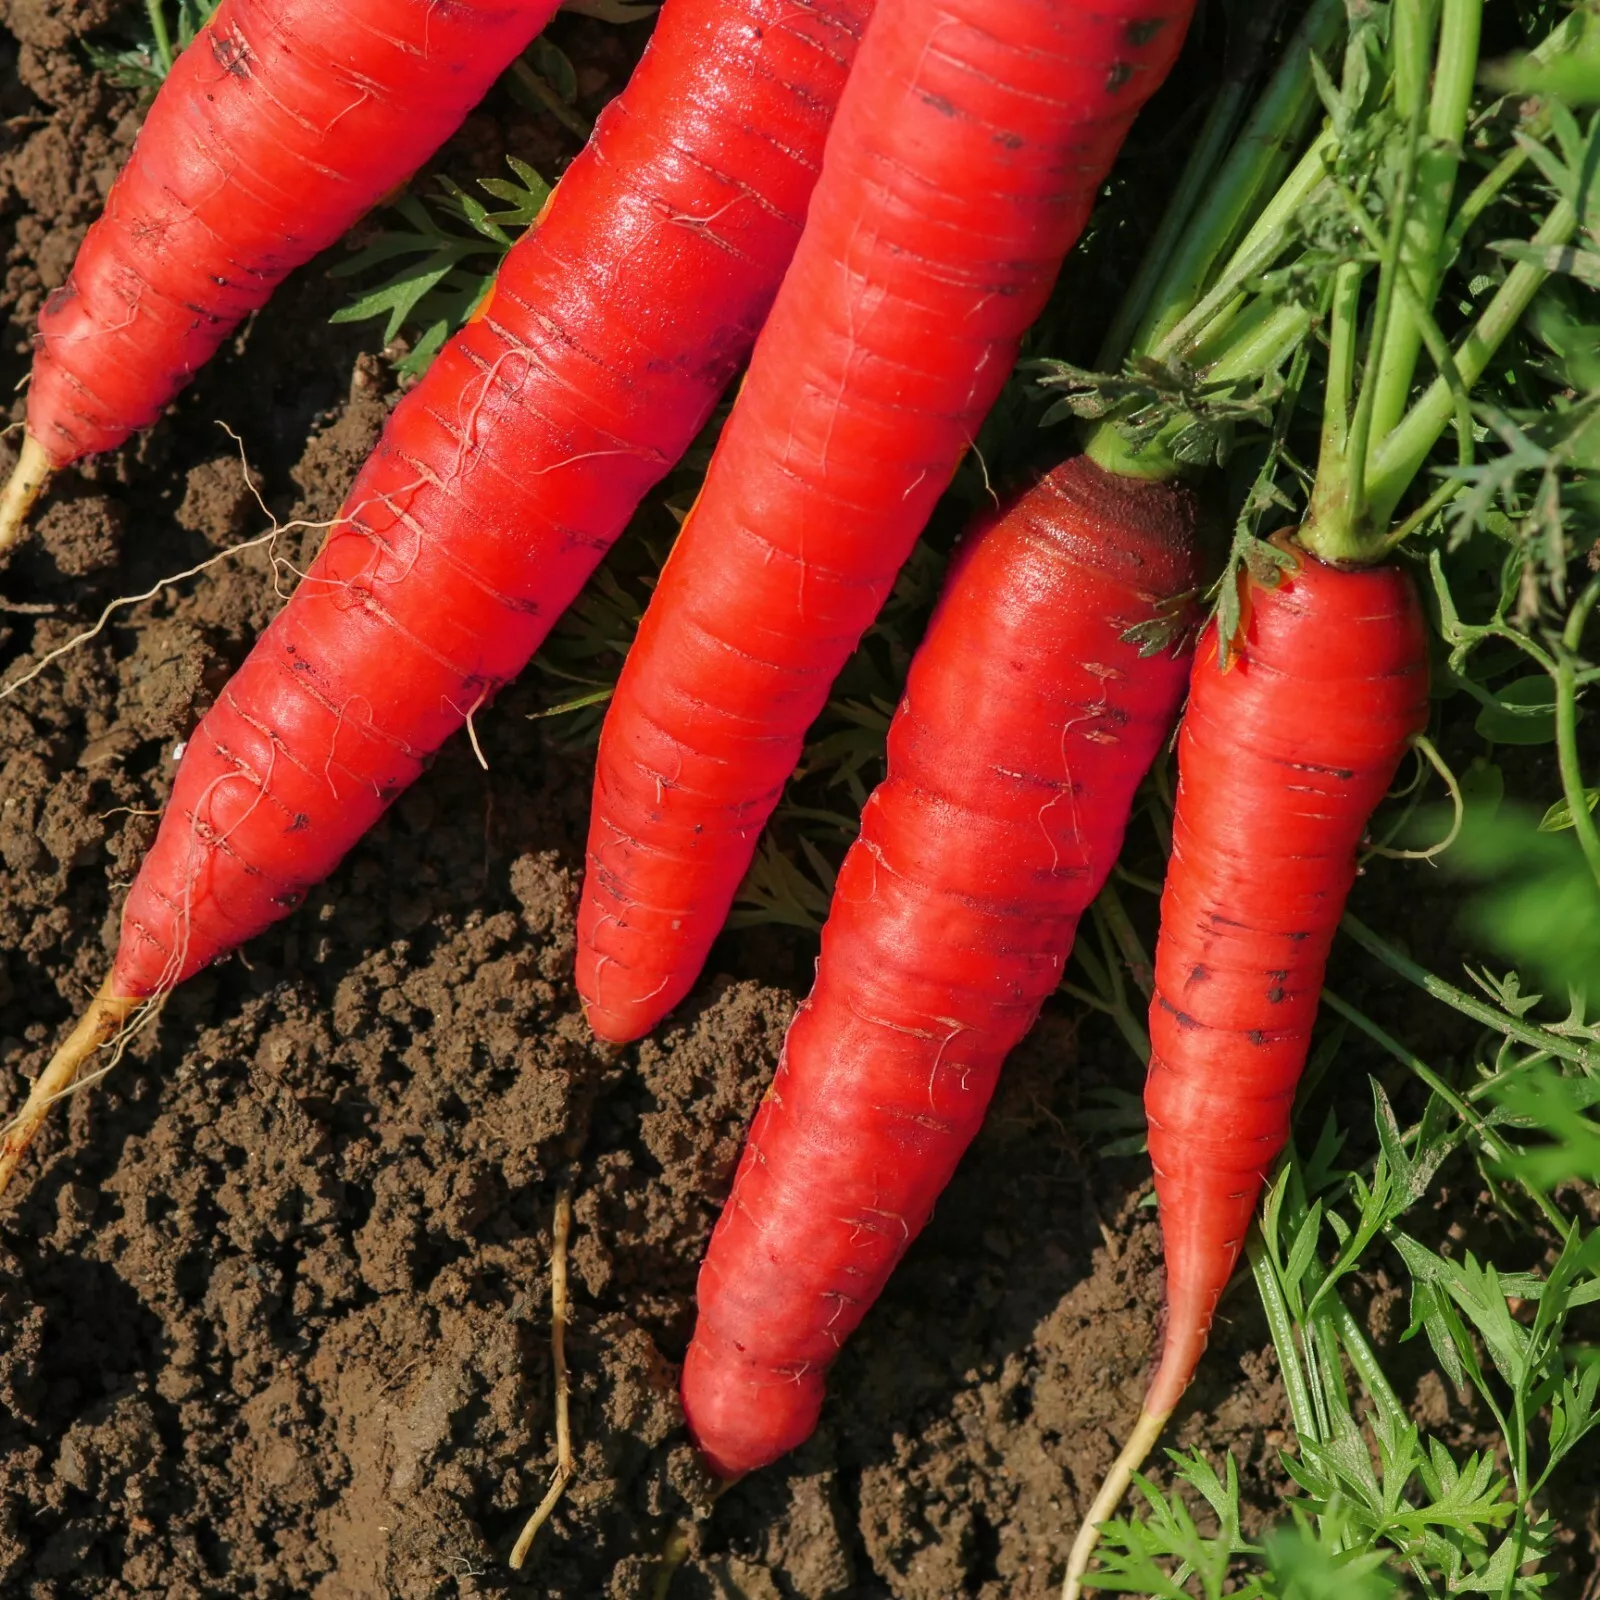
[[276, 129], [1282, 759], [498, 484], [970, 144], [1030, 715]]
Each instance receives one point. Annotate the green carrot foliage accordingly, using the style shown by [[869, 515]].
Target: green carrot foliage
[[441, 260], [142, 57]]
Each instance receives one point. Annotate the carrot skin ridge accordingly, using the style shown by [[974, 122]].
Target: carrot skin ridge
[[1282, 760], [1027, 723], [275, 131], [970, 144], [503, 477]]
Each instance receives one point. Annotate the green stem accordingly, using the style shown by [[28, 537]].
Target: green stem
[[156, 11], [1487, 192], [1422, 256], [1159, 258], [1143, 884], [1170, 258], [1362, 1359], [1479, 1010], [1428, 329], [1129, 945], [1253, 166], [1108, 447], [544, 98], [1400, 456], [1435, 503], [1339, 526], [1257, 342], [1383, 312], [1281, 1326], [1328, 531], [1334, 1386], [1197, 229], [1268, 234], [1572, 785]]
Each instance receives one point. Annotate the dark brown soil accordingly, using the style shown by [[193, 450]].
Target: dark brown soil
[[275, 1294]]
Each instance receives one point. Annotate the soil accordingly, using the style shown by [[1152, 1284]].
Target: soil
[[275, 1292]]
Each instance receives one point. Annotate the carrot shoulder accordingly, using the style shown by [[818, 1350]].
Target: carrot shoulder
[[971, 140], [1028, 720], [282, 123]]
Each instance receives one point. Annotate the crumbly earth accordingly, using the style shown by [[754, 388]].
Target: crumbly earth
[[275, 1293]]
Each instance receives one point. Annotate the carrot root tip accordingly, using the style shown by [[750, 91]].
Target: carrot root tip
[[1140, 1443], [23, 487], [679, 1544], [106, 1021]]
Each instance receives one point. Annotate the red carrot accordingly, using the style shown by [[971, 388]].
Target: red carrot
[[971, 141], [1030, 716], [499, 483], [1281, 761], [276, 129], [1283, 757]]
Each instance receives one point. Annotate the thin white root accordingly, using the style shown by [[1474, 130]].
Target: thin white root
[[23, 487], [1140, 1443], [565, 1465], [100, 1025]]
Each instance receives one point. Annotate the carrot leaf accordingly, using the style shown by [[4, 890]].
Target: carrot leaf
[[441, 261], [143, 59]]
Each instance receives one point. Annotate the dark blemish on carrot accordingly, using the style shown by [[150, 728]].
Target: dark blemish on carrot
[[1182, 1018], [1226, 922], [1199, 974], [1143, 31], [939, 104], [1009, 141], [1119, 74], [1275, 994], [1256, 1037], [300, 824], [231, 54]]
